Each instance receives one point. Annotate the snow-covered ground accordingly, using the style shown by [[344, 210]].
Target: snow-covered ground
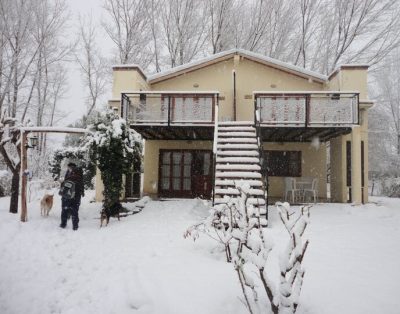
[[142, 264]]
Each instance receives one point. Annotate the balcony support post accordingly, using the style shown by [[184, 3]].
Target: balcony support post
[[307, 120], [356, 178], [169, 110]]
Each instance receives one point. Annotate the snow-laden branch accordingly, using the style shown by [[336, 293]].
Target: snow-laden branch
[[248, 246]]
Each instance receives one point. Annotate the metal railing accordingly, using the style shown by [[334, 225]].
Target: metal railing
[[215, 149], [307, 109], [169, 108], [264, 170]]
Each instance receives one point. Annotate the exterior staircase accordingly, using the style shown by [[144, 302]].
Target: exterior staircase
[[237, 159]]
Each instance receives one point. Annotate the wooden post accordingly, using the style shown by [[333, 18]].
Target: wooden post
[[24, 177]]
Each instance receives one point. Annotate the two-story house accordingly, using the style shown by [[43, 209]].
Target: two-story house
[[209, 123]]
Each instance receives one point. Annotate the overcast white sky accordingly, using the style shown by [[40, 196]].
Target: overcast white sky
[[73, 103]]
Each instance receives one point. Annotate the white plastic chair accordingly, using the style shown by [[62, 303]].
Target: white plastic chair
[[290, 188], [313, 190]]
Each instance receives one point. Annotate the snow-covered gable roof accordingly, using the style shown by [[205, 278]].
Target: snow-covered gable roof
[[244, 53], [129, 66]]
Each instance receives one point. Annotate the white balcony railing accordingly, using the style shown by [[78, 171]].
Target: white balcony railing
[[318, 109], [169, 108]]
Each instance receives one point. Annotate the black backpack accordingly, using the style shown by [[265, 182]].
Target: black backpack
[[68, 189]]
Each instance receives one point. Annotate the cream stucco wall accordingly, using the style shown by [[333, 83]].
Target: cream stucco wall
[[350, 78], [216, 77], [313, 164], [250, 76], [126, 80]]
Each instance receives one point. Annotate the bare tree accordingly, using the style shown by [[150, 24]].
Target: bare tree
[[128, 27], [354, 31], [265, 26], [308, 25], [220, 24], [30, 48], [184, 29], [388, 98], [93, 65], [152, 8]]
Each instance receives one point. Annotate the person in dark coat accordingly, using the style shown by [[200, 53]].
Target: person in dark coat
[[71, 206]]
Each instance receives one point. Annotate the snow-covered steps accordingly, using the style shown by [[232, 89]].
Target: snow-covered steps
[[247, 140], [236, 134], [238, 174], [238, 146], [234, 191], [249, 201], [243, 153], [221, 182], [239, 167], [238, 162]]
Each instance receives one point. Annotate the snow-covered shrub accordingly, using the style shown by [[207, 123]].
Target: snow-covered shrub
[[390, 187], [80, 156], [384, 186], [237, 226], [116, 150]]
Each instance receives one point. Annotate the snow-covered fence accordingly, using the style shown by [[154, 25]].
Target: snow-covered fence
[[236, 225]]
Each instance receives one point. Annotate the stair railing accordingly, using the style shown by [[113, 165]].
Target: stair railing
[[264, 170], [215, 148]]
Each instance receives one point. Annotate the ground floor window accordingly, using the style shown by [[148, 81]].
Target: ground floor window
[[283, 163], [185, 173]]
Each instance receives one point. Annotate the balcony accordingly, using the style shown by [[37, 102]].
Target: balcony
[[283, 116], [171, 115], [300, 116]]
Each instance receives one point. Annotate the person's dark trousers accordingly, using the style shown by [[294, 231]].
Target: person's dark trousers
[[70, 207]]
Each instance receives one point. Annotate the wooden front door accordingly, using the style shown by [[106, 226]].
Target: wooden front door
[[185, 173]]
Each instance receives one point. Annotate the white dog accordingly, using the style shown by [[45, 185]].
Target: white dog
[[46, 204]]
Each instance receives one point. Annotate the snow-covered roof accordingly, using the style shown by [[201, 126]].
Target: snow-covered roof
[[247, 54], [129, 66], [348, 66]]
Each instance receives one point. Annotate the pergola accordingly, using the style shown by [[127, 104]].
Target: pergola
[[24, 157]]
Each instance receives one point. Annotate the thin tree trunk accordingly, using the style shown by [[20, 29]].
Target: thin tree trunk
[[14, 191]]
